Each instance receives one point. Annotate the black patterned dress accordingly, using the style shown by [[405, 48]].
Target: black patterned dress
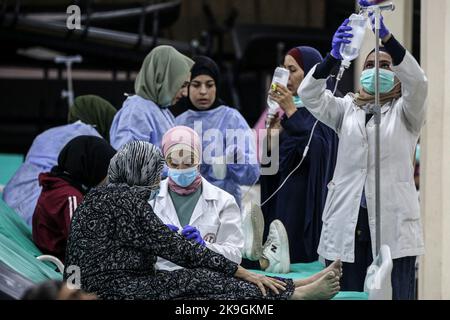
[[116, 238]]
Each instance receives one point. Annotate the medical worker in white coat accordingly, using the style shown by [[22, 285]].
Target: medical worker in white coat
[[348, 231], [192, 206]]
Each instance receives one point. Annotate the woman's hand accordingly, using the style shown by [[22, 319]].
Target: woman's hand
[[385, 34], [281, 95], [341, 36], [261, 281]]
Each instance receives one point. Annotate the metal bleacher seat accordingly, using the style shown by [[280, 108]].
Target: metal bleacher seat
[[118, 34]]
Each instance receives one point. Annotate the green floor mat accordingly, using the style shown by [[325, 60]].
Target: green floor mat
[[9, 163], [305, 270], [17, 249]]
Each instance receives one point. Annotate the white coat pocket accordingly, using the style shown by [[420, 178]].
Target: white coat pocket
[[408, 202]]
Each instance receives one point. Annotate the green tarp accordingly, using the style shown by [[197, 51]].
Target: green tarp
[[18, 251]]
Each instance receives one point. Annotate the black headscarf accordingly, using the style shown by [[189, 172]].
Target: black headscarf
[[203, 66], [84, 161]]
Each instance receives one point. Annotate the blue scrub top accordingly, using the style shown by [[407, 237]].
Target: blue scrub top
[[140, 120], [23, 190], [221, 119]]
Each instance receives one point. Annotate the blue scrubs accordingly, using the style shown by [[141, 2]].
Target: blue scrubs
[[220, 119], [140, 120], [23, 190]]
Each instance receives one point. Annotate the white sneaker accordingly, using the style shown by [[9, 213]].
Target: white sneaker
[[276, 249], [253, 227]]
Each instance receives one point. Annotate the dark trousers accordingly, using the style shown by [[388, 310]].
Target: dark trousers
[[354, 274], [248, 264]]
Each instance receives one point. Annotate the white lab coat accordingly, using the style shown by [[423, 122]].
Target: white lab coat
[[216, 215], [401, 227]]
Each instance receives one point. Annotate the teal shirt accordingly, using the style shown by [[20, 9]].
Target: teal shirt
[[185, 205]]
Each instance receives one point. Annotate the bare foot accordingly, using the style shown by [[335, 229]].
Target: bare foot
[[336, 267], [324, 288]]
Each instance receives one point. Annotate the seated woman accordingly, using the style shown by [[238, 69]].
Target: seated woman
[[189, 204], [82, 165], [90, 115], [115, 238]]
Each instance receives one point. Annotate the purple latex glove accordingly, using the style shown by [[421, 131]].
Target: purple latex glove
[[341, 36], [364, 3], [384, 32], [172, 227], [191, 233], [368, 3]]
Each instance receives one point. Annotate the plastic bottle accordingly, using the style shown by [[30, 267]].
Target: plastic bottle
[[350, 51], [280, 76]]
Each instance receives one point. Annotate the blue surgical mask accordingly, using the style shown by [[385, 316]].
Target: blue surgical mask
[[183, 177], [298, 102], [387, 80], [418, 154]]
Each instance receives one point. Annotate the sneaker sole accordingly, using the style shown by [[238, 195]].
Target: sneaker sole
[[257, 219], [285, 266]]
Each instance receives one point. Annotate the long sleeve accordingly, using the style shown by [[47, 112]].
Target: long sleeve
[[414, 91], [51, 223], [295, 138], [246, 170], [321, 103], [395, 49], [131, 123], [159, 240], [414, 84], [296, 124], [323, 69], [230, 239]]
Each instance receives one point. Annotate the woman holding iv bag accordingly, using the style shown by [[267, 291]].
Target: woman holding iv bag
[[349, 225], [302, 217]]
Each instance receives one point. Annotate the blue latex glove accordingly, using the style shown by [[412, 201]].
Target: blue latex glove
[[172, 227], [368, 3], [365, 3], [191, 233], [341, 36], [384, 32]]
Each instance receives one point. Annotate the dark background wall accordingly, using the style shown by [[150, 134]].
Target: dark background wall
[[32, 104]]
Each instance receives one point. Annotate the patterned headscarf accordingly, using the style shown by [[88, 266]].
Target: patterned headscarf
[[137, 163]]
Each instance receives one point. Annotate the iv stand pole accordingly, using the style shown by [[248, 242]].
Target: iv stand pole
[[376, 111], [377, 118]]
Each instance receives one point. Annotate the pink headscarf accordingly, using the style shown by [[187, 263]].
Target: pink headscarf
[[182, 136]]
